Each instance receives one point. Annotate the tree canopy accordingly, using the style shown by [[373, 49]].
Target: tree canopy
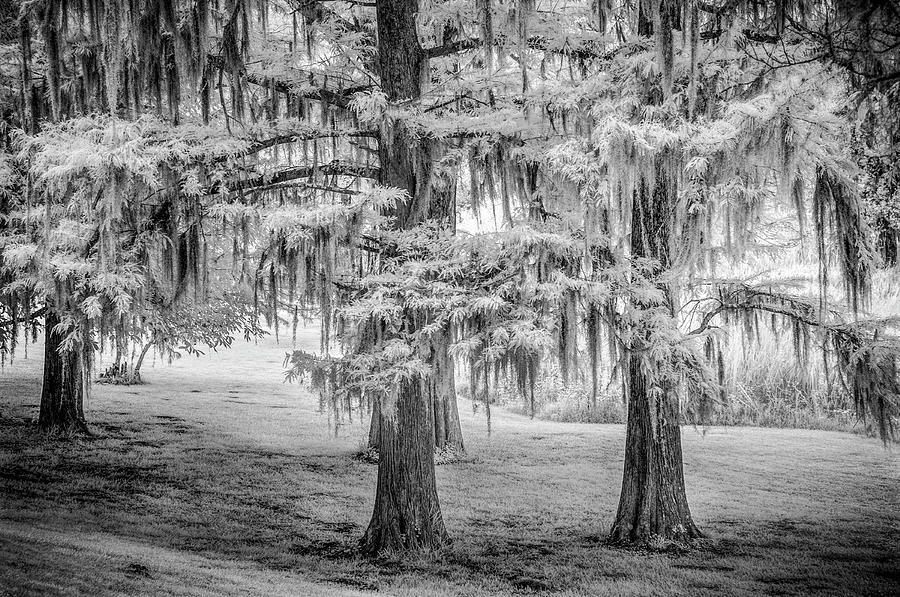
[[451, 188]]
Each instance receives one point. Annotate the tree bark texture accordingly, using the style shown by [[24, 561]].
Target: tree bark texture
[[64, 383], [445, 412], [407, 514], [653, 504]]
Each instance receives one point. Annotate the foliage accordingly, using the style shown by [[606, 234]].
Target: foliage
[[556, 400], [560, 123], [766, 386], [186, 329]]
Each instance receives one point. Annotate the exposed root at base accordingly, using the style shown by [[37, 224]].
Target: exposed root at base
[[660, 544], [127, 379], [446, 455], [77, 429]]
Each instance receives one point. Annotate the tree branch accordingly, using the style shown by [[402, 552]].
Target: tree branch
[[335, 168], [300, 135], [341, 98], [581, 51], [749, 34], [745, 298], [292, 185], [452, 48], [34, 315], [717, 10]]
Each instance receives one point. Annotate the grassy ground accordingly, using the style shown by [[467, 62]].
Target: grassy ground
[[215, 478]]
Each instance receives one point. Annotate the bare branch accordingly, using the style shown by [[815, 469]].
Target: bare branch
[[34, 315], [300, 135], [581, 51], [335, 168], [715, 9], [453, 48], [339, 98]]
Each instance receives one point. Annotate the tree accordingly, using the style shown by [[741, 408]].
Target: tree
[[77, 238], [66, 382], [628, 169], [653, 505], [407, 514], [185, 328], [619, 160]]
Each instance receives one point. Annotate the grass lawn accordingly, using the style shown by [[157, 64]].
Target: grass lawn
[[216, 478]]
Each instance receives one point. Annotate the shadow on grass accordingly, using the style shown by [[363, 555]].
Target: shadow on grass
[[172, 483]]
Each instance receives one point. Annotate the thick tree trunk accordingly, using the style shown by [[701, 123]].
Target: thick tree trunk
[[407, 514], [653, 506], [64, 383], [447, 429]]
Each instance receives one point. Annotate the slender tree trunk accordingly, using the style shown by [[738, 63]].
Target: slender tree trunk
[[375, 426], [120, 350], [447, 430], [407, 514], [136, 372], [64, 384], [440, 422], [888, 243]]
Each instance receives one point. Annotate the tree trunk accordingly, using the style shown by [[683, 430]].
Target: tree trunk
[[653, 506], [448, 433], [888, 243], [64, 384], [375, 426], [407, 514], [445, 413], [447, 430], [136, 372]]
